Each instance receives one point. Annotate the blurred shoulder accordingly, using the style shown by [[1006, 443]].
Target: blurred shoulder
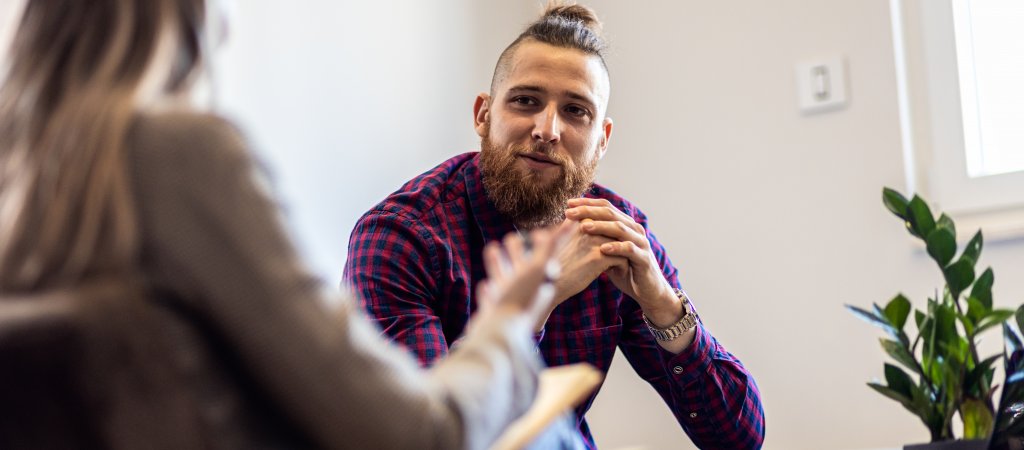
[[184, 137]]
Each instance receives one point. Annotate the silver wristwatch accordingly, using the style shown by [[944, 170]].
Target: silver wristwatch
[[687, 323]]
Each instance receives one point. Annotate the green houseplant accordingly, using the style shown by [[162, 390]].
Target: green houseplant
[[942, 374]]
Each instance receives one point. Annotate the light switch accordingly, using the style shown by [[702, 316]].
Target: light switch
[[821, 85]]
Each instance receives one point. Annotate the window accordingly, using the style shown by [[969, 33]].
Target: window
[[960, 69], [990, 58]]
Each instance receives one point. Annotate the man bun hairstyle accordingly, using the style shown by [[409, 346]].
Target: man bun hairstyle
[[569, 26], [563, 24]]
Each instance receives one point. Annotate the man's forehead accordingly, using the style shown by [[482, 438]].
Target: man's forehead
[[560, 71]]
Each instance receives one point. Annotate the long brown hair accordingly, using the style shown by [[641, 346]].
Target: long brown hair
[[66, 104]]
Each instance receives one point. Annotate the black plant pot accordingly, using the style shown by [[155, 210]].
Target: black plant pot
[[973, 444]]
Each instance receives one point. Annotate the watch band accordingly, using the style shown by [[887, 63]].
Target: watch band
[[687, 323]]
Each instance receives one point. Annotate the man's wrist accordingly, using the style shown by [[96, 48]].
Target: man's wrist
[[665, 311], [680, 328]]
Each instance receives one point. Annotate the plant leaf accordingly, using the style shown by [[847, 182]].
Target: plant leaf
[[982, 289], [946, 223], [976, 310], [945, 324], [928, 337], [995, 317], [927, 410], [907, 402], [873, 318], [896, 333], [920, 217], [900, 353], [898, 380], [895, 202], [977, 419], [941, 246], [959, 275], [918, 318], [976, 374], [1019, 315], [955, 350], [878, 319], [967, 322], [973, 249], [897, 311]]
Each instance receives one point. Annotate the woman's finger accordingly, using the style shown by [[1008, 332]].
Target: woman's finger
[[516, 249], [493, 262]]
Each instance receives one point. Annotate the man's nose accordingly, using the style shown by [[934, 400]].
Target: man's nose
[[547, 128]]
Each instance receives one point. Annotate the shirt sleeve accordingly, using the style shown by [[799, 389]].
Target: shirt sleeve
[[212, 234], [390, 266], [709, 391]]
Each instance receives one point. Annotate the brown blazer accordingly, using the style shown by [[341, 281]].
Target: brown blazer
[[255, 351]]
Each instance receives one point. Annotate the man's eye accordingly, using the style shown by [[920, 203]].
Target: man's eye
[[525, 101], [577, 111]]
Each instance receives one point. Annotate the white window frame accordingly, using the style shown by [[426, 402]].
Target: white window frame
[[928, 81]]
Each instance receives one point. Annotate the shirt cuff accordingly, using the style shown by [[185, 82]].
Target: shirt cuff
[[694, 360]]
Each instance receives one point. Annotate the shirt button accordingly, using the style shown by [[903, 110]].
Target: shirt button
[[693, 415], [677, 370]]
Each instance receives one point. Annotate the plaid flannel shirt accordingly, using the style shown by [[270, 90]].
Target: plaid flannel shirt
[[415, 259]]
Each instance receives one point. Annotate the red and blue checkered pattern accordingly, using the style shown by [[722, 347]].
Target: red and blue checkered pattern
[[415, 259]]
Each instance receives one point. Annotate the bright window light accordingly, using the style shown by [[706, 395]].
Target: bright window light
[[990, 60]]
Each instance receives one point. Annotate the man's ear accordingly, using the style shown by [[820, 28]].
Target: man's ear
[[481, 113], [606, 135]]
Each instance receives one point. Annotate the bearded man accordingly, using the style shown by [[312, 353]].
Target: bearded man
[[416, 258]]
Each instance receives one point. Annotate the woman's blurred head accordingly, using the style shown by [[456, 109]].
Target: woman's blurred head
[[78, 72], [63, 47]]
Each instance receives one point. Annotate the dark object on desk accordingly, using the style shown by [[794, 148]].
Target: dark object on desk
[[1008, 431], [973, 444]]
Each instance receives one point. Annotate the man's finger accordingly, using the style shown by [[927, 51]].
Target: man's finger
[[588, 201], [615, 230], [593, 212], [626, 250]]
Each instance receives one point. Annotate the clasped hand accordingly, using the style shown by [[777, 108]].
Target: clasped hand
[[595, 238], [609, 241]]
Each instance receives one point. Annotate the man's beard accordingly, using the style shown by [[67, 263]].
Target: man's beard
[[521, 194]]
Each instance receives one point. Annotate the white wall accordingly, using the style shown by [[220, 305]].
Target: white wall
[[347, 100], [773, 218]]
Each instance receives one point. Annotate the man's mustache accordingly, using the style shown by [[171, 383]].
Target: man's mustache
[[543, 152]]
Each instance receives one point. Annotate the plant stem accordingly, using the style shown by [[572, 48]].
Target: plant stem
[[974, 354], [920, 369], [970, 336]]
